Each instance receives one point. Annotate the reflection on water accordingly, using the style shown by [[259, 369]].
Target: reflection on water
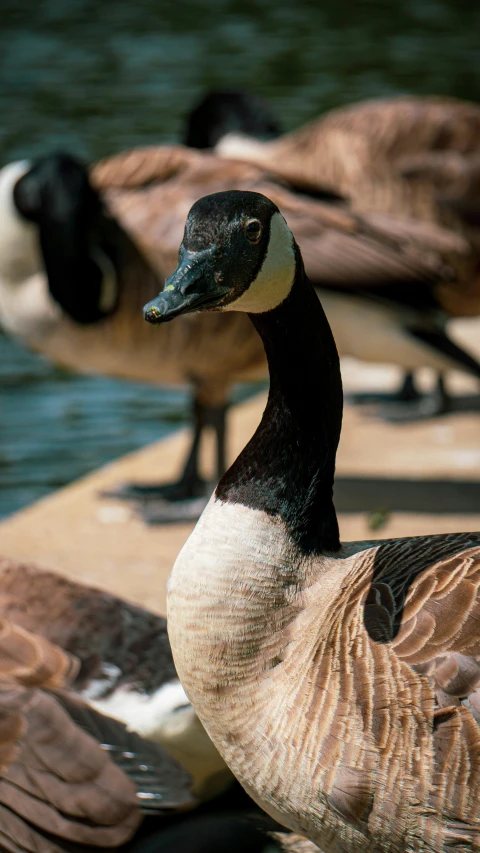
[[96, 78]]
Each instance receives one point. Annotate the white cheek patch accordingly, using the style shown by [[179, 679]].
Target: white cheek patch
[[27, 309], [275, 279]]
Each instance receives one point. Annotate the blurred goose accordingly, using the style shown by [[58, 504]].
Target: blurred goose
[[227, 112], [69, 772], [126, 666], [407, 156], [339, 682], [79, 255]]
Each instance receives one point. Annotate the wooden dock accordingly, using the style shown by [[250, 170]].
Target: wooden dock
[[431, 468]]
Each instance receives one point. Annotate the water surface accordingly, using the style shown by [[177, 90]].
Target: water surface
[[95, 78]]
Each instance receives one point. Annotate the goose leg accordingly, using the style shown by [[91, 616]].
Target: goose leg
[[438, 402], [184, 499], [408, 390], [406, 393]]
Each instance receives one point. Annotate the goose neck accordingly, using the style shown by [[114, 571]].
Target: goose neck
[[287, 469]]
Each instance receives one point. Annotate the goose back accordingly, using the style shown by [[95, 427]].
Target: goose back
[[365, 147]]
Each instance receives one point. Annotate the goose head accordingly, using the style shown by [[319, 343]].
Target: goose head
[[237, 254], [226, 114], [52, 261]]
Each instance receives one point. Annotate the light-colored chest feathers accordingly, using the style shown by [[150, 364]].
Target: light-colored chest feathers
[[286, 675]]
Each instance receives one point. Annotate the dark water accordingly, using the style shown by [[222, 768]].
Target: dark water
[[98, 77]]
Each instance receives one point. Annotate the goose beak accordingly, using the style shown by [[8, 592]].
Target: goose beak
[[192, 287]]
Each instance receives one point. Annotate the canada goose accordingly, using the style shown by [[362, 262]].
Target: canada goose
[[337, 681], [378, 283], [408, 156], [127, 670], [84, 312], [66, 770], [69, 772]]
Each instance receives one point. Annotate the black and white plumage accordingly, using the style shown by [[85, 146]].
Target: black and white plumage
[[339, 680]]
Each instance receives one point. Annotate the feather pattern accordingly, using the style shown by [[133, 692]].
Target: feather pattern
[[406, 156], [98, 628], [72, 779], [375, 658], [55, 777], [119, 660], [150, 192], [339, 682]]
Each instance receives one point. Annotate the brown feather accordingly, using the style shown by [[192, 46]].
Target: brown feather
[[66, 770], [412, 157], [147, 194], [89, 623], [55, 776]]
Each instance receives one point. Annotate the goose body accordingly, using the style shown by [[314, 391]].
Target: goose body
[[339, 681], [67, 772], [127, 671], [407, 156], [81, 755], [400, 155], [96, 247]]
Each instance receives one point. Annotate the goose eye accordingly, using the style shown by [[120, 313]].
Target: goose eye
[[253, 230]]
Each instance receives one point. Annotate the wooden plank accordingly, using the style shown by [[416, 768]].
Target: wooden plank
[[101, 541]]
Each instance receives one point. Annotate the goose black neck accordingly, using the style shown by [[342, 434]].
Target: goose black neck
[[287, 469]]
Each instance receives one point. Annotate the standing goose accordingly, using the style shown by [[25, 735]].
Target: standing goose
[[339, 682], [406, 156], [72, 282], [80, 254]]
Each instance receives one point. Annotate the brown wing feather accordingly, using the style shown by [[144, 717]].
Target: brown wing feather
[[66, 770], [141, 166], [32, 660], [421, 612], [62, 782], [54, 774], [409, 157], [89, 623], [363, 142], [389, 700], [338, 246]]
